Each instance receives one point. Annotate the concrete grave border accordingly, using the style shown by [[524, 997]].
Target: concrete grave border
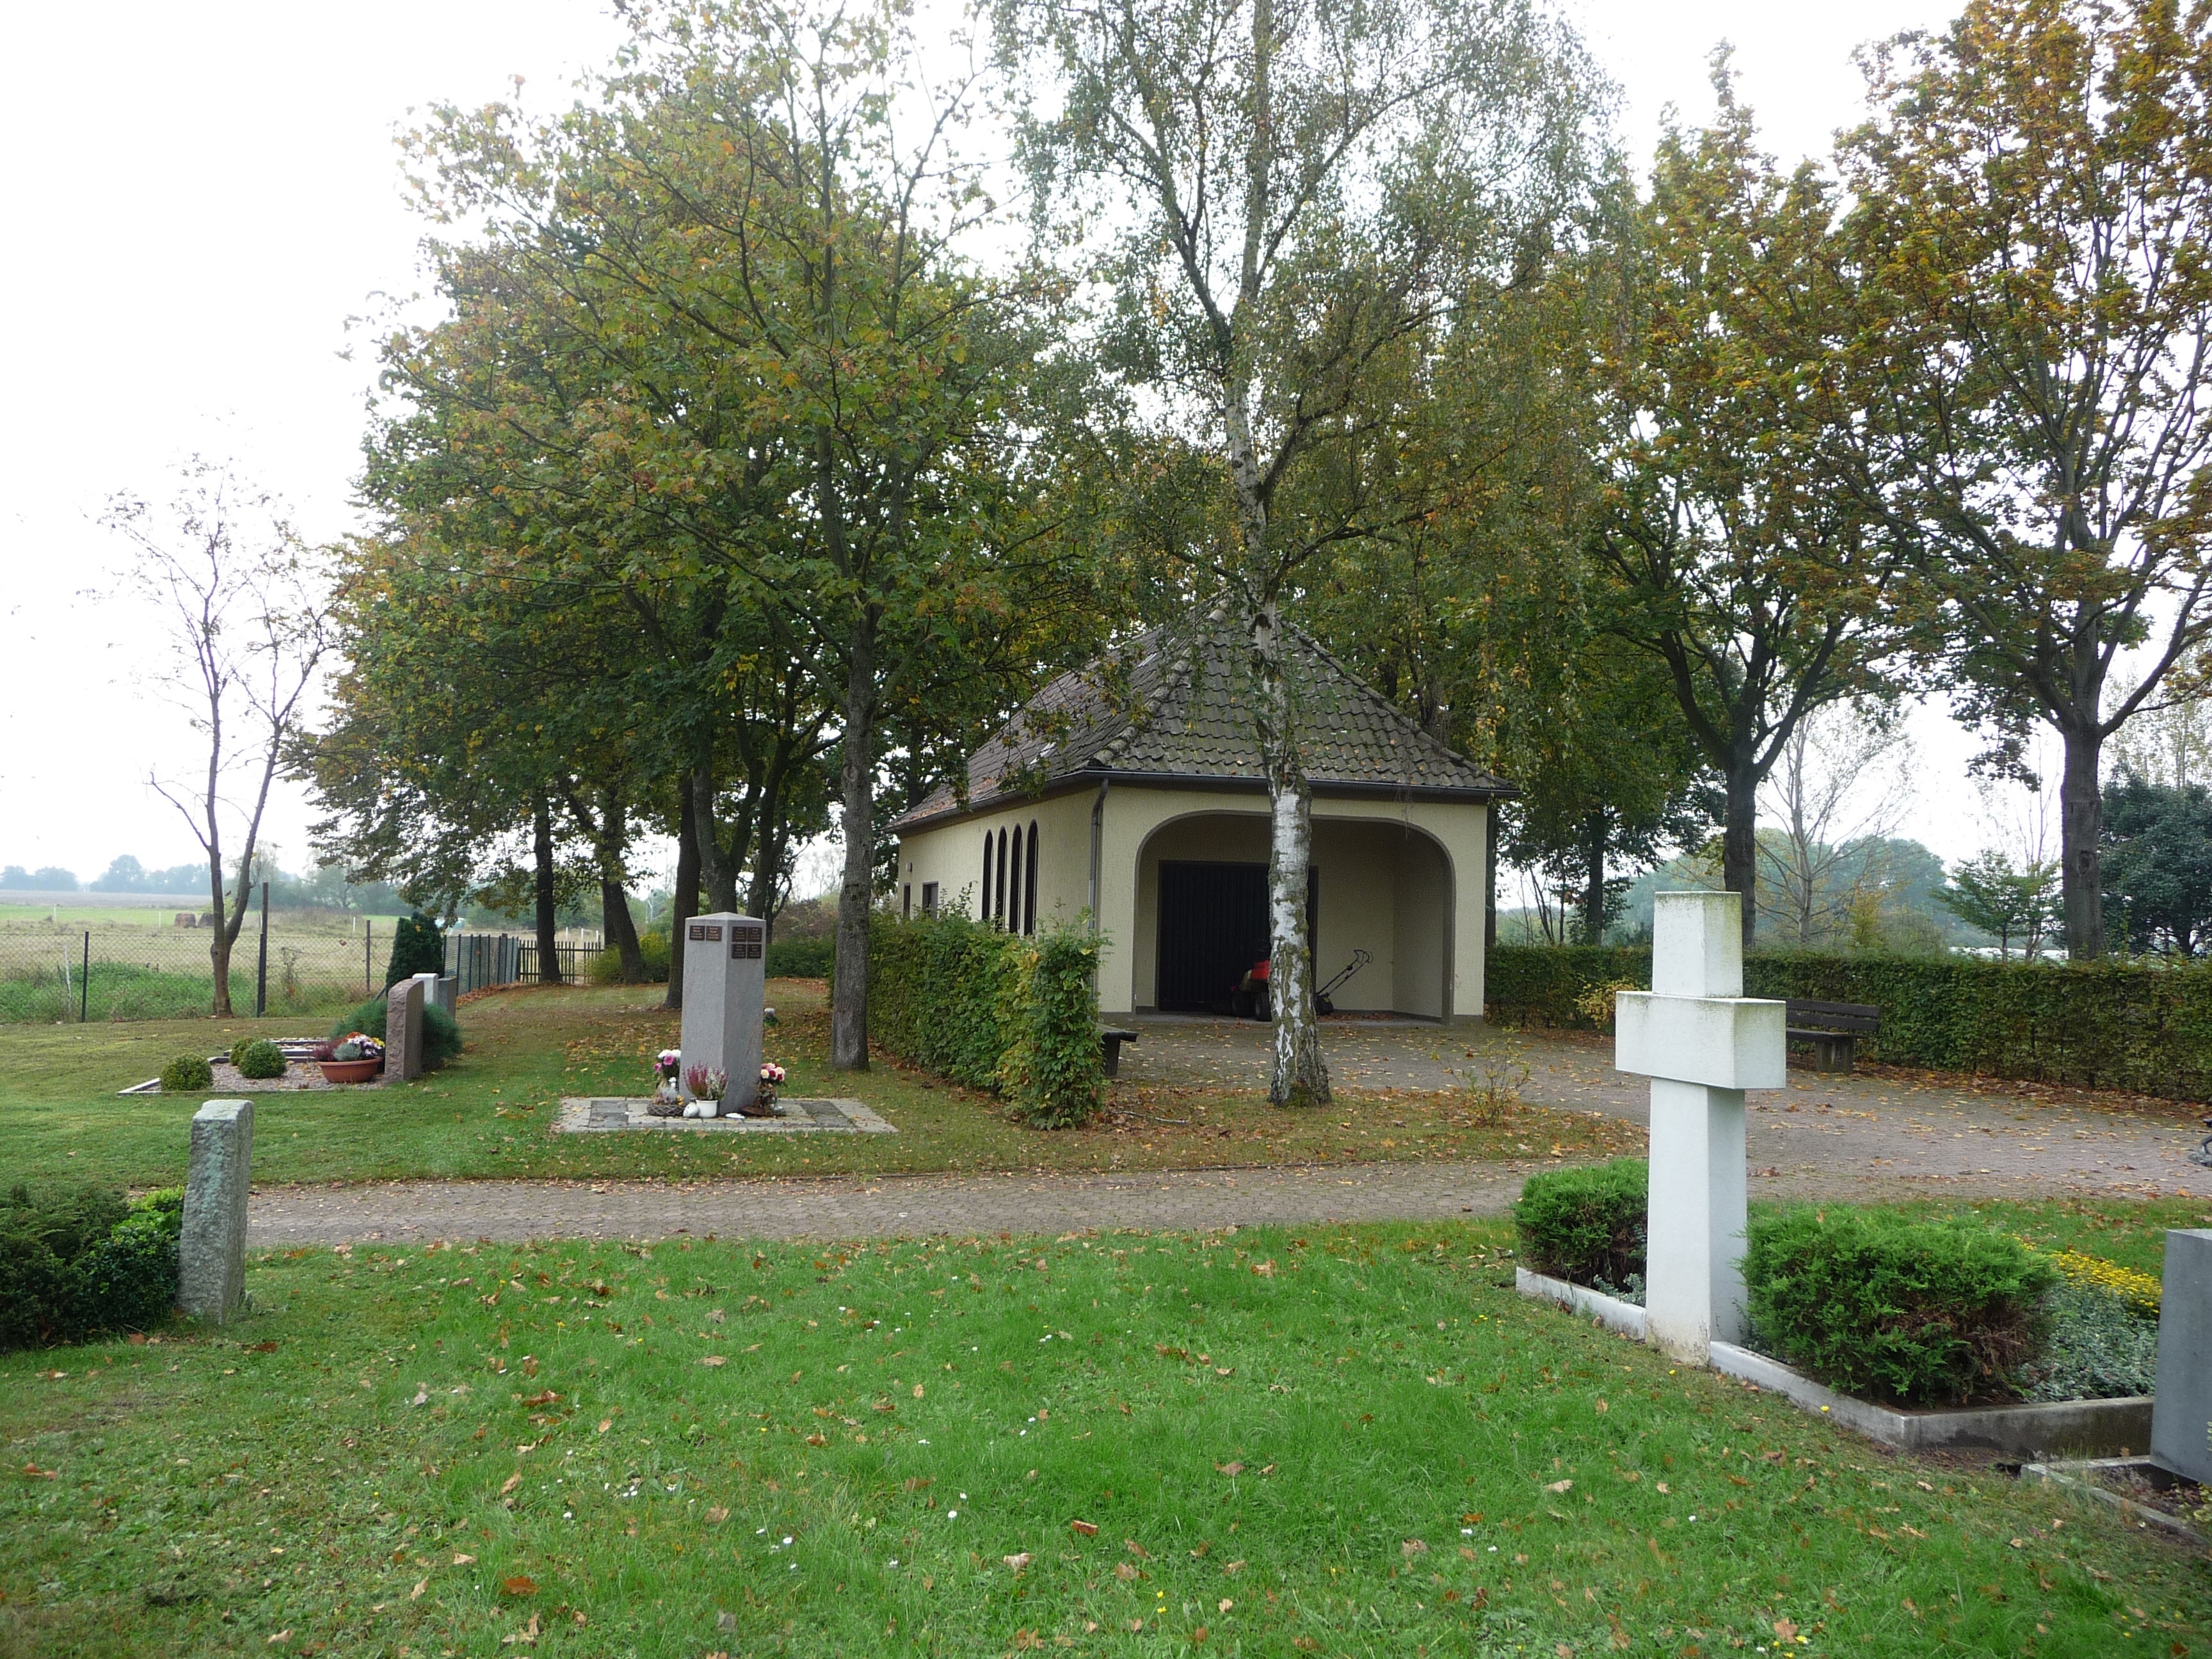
[[595, 1115], [2078, 1475]]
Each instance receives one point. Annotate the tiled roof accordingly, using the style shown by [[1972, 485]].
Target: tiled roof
[[1174, 705]]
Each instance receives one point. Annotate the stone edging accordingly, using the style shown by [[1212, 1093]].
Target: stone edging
[[2100, 1426], [2072, 1474], [583, 1114], [1609, 1312]]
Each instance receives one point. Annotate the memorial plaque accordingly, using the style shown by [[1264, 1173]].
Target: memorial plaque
[[745, 941]]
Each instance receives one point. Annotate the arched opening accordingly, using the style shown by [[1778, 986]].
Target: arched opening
[[1377, 885], [983, 910], [1030, 885]]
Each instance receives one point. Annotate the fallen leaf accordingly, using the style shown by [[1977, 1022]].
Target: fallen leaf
[[1560, 1486], [421, 1584], [1785, 1629], [1015, 1563], [464, 1560], [1225, 1605], [1137, 1549], [713, 1359], [1125, 1572], [513, 1481], [1232, 1566], [716, 1515], [421, 1397], [527, 1636], [606, 1422], [917, 1391], [518, 1585], [1265, 1269], [1663, 1486], [1232, 1470], [1088, 1528], [280, 1636], [1412, 1546]]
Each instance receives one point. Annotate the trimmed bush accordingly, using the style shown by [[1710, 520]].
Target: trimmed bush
[[802, 959], [1586, 1225], [606, 969], [992, 1010], [2102, 1025], [259, 1058], [441, 1032], [78, 1260], [1054, 1072], [186, 1074], [1919, 1313], [418, 947]]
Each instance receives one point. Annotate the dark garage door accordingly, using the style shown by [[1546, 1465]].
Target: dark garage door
[[1213, 927]]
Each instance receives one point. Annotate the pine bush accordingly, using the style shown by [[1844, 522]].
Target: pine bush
[[441, 1032], [1586, 1225], [418, 947]]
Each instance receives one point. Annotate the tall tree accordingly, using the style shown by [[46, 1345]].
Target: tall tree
[[1727, 550], [245, 633], [1299, 194], [2034, 201]]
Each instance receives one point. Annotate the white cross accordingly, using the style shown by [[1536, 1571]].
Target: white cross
[[1702, 1043]]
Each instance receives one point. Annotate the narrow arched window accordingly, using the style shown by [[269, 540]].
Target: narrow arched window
[[999, 914], [1029, 885], [1014, 887], [983, 914]]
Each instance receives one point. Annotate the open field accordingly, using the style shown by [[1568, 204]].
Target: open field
[[1347, 1441], [490, 1114]]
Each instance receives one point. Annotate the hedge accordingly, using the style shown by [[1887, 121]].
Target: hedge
[[74, 1261], [992, 1010], [1917, 1312], [1586, 1224], [2104, 1025], [802, 959]]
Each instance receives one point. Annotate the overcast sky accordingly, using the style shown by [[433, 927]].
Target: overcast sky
[[206, 195]]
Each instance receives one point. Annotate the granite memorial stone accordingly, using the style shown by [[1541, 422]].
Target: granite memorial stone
[[211, 1249], [2182, 1416], [403, 1031], [725, 967]]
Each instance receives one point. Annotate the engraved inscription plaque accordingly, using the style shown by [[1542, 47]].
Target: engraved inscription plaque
[[745, 941]]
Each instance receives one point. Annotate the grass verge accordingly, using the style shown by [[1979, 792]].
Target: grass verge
[[1342, 1441], [490, 1114]]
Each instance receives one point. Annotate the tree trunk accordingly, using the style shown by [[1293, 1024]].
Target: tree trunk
[[548, 942], [219, 945], [848, 992], [1740, 842], [717, 871], [1300, 1074], [1593, 839], [621, 929], [2080, 832], [685, 904]]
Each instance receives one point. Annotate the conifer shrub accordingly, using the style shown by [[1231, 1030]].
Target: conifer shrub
[[1916, 1313], [441, 1032], [186, 1074], [418, 947], [1587, 1225], [76, 1261]]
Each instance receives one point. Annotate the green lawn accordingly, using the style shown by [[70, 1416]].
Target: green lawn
[[1342, 1441], [490, 1114]]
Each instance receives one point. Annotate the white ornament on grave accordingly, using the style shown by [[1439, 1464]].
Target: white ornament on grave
[[1702, 1043], [725, 968]]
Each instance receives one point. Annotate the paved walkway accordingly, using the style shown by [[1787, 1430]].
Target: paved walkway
[[1823, 1137]]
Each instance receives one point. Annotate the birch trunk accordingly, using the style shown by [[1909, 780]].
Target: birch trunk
[[1300, 1075]]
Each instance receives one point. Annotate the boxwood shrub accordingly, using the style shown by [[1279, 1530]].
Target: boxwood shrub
[[441, 1032], [1586, 1225], [259, 1058], [186, 1074], [1916, 1313], [77, 1260]]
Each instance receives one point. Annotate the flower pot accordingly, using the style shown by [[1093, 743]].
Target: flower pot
[[349, 1070]]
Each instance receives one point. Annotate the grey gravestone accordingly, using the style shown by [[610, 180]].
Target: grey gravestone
[[724, 982], [2183, 1414], [403, 1031], [443, 989], [211, 1249]]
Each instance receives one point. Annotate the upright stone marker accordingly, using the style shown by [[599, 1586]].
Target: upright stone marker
[[403, 1031], [1702, 1043], [211, 1249], [2181, 1417], [441, 990], [725, 967]]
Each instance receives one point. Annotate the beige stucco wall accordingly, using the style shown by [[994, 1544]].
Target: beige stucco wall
[[952, 855], [1401, 880]]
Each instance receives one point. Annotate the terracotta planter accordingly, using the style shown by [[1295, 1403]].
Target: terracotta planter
[[349, 1070]]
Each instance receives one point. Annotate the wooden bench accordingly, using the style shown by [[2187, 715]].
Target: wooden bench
[[1110, 1039], [1832, 1027]]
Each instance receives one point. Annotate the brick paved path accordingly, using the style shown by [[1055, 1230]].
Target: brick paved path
[[877, 1207], [1823, 1137]]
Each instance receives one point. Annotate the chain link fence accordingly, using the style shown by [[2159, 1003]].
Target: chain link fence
[[147, 964]]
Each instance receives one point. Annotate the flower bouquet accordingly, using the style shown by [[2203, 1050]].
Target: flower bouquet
[[667, 1094], [356, 1059], [771, 1079], [706, 1085]]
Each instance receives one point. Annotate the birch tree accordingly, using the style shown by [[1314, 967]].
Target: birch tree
[[1287, 194]]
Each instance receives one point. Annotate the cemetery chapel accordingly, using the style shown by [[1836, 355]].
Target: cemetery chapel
[[1133, 789]]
